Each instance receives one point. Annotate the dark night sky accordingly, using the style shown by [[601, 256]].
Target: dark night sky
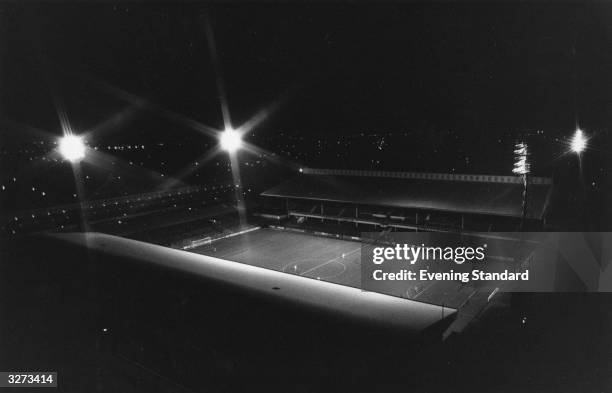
[[343, 68]]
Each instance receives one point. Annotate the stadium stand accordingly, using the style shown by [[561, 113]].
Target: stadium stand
[[122, 215], [412, 201]]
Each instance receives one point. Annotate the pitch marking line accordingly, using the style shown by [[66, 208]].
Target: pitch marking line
[[330, 261]]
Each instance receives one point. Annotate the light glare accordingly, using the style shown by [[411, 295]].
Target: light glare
[[578, 142], [72, 148], [230, 140]]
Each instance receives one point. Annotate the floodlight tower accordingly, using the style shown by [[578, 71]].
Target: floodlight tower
[[577, 145], [73, 149], [522, 167], [230, 140]]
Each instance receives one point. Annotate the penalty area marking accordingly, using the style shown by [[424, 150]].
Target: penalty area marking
[[211, 241], [309, 265], [344, 255]]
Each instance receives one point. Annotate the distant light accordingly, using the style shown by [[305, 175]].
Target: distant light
[[521, 163], [230, 140], [301, 170], [72, 147], [578, 142]]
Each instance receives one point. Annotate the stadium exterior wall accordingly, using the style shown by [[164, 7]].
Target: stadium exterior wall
[[351, 302]]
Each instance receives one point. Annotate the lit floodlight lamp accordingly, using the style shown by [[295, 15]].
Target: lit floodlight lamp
[[72, 147], [230, 140], [578, 143], [520, 168], [521, 163]]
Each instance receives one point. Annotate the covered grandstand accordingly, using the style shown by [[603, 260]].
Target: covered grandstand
[[412, 201]]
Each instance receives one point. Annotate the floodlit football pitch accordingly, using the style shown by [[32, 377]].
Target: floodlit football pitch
[[316, 257], [320, 258]]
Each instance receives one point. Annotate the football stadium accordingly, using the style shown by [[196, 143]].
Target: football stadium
[[203, 197], [314, 224]]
